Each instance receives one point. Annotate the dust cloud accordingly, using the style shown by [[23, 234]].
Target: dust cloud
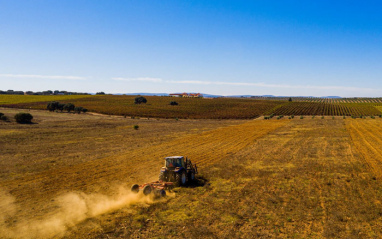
[[74, 207]]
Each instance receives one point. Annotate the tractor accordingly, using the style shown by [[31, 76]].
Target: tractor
[[179, 170]]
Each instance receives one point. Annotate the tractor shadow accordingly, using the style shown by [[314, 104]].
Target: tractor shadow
[[199, 181]]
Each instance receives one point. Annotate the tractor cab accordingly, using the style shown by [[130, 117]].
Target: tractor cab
[[174, 162], [179, 170]]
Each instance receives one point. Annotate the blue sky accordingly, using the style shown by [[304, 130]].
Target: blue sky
[[305, 48]]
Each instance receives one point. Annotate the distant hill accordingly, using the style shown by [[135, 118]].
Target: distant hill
[[332, 97]]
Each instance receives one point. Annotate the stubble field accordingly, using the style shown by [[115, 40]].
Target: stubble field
[[69, 176]]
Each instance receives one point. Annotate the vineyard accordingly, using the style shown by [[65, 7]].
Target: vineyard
[[202, 108], [323, 108], [6, 100], [159, 107], [324, 100]]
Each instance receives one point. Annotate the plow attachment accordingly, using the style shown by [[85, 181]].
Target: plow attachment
[[157, 188]]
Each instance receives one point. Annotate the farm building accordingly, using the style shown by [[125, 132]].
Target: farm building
[[187, 95]]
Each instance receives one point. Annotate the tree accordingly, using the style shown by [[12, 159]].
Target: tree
[[69, 107], [100, 93], [23, 118], [173, 103], [52, 106], [290, 99], [140, 100]]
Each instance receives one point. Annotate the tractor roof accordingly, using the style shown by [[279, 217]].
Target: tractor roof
[[175, 157]]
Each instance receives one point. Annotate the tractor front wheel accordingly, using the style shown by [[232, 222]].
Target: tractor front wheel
[[162, 177]]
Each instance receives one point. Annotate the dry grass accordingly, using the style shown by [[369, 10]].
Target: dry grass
[[366, 136], [278, 178], [304, 180]]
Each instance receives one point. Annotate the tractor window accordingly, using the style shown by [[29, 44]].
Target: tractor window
[[173, 162], [179, 163], [170, 163]]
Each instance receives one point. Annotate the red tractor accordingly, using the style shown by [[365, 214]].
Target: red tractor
[[179, 170]]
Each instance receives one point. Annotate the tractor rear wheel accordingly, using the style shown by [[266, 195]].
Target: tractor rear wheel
[[181, 178], [147, 190]]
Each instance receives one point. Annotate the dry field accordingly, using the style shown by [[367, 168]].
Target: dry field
[[68, 176]]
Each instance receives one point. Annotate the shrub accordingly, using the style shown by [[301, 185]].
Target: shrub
[[173, 103], [78, 109], [301, 117], [292, 116], [136, 127], [1, 114], [23, 118], [60, 107], [84, 110], [4, 118], [140, 100]]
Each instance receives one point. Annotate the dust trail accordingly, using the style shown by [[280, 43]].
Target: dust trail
[[73, 209]]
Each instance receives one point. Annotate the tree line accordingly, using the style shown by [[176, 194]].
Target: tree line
[[69, 107], [47, 92]]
